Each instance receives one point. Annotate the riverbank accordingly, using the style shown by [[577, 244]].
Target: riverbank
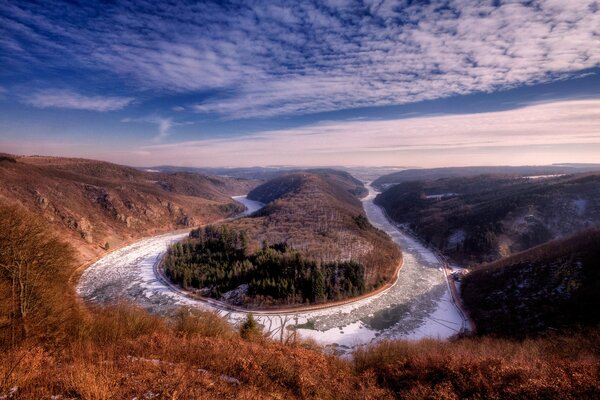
[[418, 304]]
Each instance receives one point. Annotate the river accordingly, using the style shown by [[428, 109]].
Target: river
[[418, 305]]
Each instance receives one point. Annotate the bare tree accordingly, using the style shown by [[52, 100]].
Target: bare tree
[[34, 270]]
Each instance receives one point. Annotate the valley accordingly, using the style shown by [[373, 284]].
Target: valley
[[311, 200], [417, 305]]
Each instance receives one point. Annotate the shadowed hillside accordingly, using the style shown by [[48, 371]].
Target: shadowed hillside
[[486, 217], [552, 286], [430, 174], [98, 205]]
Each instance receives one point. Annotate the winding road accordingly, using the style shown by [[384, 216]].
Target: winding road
[[420, 303]]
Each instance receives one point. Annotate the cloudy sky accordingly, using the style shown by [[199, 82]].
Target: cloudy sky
[[338, 82]]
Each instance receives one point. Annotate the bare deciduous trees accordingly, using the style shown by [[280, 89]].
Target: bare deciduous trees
[[34, 268]]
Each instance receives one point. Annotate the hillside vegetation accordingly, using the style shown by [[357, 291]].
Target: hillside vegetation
[[552, 286], [70, 350], [430, 174], [310, 243], [97, 205], [485, 217]]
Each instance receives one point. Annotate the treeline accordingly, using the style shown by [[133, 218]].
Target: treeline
[[216, 260]]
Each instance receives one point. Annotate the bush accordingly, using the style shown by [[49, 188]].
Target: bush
[[190, 322], [250, 329]]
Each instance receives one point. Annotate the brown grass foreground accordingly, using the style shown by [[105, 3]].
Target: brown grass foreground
[[122, 352]]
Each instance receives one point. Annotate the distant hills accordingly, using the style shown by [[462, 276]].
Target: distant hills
[[552, 286], [365, 174], [407, 175], [486, 217], [261, 173], [94, 203]]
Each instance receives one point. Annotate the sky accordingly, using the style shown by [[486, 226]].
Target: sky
[[307, 83]]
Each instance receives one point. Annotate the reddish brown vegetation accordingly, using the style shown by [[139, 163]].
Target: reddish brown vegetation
[[558, 367], [92, 203]]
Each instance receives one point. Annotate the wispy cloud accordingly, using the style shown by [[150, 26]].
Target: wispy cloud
[[411, 141], [75, 101], [164, 125], [265, 59]]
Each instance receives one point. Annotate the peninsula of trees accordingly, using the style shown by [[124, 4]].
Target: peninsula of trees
[[311, 243]]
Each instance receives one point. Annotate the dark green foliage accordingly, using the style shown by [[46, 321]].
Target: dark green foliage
[[216, 260], [250, 329], [361, 221], [7, 158]]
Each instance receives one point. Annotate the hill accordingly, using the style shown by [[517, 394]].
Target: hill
[[310, 243], [408, 175], [94, 203], [485, 217], [552, 286]]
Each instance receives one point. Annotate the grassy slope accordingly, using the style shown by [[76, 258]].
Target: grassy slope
[[498, 214], [555, 285], [319, 214], [91, 202]]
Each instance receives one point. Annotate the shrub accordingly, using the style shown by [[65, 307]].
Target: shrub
[[250, 329]]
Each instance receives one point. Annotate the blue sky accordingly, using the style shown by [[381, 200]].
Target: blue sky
[[304, 83]]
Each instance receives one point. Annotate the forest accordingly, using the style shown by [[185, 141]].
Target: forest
[[215, 260], [550, 287], [486, 217]]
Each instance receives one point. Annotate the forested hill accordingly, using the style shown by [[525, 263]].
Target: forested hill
[[486, 217], [346, 185], [408, 175], [93, 203], [552, 286], [314, 218]]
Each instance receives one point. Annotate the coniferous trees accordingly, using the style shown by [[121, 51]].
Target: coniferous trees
[[215, 260]]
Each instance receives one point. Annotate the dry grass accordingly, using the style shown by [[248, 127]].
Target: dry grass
[[123, 352], [182, 358], [565, 367]]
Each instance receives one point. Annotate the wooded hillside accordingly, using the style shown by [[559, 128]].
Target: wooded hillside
[[486, 217], [552, 286], [313, 221]]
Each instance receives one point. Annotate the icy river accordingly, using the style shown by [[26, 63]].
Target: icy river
[[419, 304]]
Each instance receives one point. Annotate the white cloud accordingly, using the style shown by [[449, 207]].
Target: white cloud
[[275, 58], [164, 125], [411, 141], [76, 101]]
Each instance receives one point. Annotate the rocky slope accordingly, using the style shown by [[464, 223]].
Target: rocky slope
[[97, 205]]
